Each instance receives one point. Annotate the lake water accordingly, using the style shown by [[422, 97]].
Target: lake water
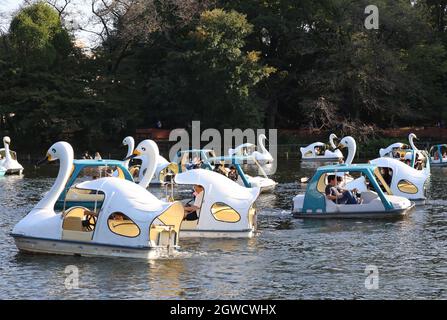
[[289, 259]]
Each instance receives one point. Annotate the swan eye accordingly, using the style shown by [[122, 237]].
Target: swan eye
[[53, 150], [143, 148]]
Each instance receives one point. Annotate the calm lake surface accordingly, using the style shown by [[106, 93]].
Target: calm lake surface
[[289, 259]]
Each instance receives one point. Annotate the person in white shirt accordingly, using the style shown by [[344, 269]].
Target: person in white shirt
[[192, 212]]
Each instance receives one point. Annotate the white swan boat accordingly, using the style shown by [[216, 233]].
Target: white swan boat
[[250, 150], [412, 156], [227, 209], [438, 155], [403, 180], [318, 151], [130, 222], [8, 158], [261, 181]]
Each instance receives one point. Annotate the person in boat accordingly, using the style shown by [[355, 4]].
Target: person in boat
[[192, 212], [194, 163], [387, 175], [418, 162], [436, 157], [339, 195], [233, 173], [109, 172], [97, 156], [86, 155], [219, 169]]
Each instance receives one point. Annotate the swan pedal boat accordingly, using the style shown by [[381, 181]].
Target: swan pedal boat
[[375, 204], [263, 181], [309, 153], [438, 157], [410, 152], [131, 222], [250, 150], [405, 181], [8, 159], [227, 209]]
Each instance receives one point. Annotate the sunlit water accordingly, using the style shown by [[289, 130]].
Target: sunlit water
[[289, 259]]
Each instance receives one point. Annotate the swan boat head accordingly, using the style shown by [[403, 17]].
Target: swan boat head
[[349, 142]]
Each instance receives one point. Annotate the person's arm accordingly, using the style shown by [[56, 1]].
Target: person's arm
[[329, 194], [331, 197]]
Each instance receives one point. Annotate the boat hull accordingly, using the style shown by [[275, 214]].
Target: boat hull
[[249, 233], [76, 248], [392, 214]]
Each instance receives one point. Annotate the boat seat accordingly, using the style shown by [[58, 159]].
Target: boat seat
[[72, 228]]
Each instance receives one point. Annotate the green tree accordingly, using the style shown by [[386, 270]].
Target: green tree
[[37, 36], [211, 76]]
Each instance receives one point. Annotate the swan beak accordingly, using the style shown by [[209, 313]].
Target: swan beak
[[44, 160], [135, 154], [341, 146]]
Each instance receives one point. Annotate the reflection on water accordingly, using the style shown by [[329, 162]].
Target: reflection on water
[[289, 258]]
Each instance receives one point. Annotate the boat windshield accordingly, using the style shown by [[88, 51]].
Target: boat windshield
[[436, 151], [382, 181]]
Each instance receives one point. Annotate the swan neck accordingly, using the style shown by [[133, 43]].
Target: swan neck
[[150, 162], [351, 153], [412, 144], [331, 141], [130, 148], [261, 140], [7, 152], [49, 201]]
